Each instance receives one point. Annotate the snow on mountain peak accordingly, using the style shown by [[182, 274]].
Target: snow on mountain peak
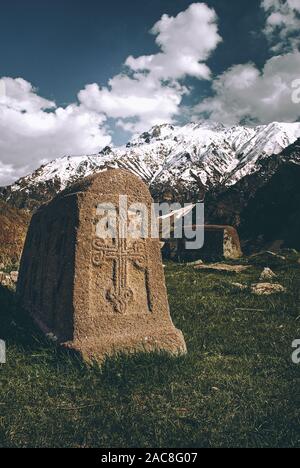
[[200, 152]]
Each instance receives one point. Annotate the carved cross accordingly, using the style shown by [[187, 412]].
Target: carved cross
[[120, 252]]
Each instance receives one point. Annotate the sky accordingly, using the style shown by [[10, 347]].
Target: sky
[[78, 75]]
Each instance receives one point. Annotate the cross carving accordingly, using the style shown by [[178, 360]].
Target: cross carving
[[120, 252]]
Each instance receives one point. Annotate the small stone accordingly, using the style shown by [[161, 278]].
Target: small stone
[[51, 337], [267, 275], [266, 289], [5, 279], [14, 276]]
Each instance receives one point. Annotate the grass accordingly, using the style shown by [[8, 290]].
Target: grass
[[237, 386]]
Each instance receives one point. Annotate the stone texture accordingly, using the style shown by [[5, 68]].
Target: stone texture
[[266, 289], [232, 245], [267, 275], [98, 297], [14, 276], [8, 279], [5, 279], [13, 228]]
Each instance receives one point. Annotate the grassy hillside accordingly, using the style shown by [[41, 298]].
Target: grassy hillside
[[13, 227], [236, 387]]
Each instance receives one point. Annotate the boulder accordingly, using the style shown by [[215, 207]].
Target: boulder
[[267, 275], [266, 289]]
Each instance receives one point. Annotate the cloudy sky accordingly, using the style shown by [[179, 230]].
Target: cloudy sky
[[77, 75]]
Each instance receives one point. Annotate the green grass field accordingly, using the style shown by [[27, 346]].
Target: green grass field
[[237, 387]]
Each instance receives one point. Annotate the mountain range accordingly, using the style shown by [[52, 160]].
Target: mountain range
[[229, 165]]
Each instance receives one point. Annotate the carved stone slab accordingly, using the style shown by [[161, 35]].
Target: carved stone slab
[[98, 295]]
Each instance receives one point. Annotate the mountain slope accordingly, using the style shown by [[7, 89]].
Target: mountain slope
[[264, 204], [274, 211], [178, 162]]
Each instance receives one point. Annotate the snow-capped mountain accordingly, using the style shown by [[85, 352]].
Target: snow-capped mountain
[[183, 160]]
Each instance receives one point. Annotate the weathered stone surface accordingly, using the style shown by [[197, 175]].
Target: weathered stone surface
[[232, 245], [8, 279], [14, 276], [99, 297], [266, 289], [267, 275], [5, 279], [13, 228]]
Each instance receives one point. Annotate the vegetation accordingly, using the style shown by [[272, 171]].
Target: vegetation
[[237, 386]]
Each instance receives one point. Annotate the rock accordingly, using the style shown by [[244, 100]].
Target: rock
[[5, 279], [100, 295], [223, 267], [51, 337], [266, 289], [267, 275], [14, 276], [13, 227], [8, 279], [232, 246]]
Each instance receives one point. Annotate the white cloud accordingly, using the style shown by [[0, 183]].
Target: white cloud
[[282, 24], [33, 130], [186, 41], [149, 92], [137, 102], [245, 93]]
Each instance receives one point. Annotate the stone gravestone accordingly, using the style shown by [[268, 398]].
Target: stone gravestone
[[97, 295]]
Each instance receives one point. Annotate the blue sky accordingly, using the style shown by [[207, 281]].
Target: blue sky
[[61, 45], [220, 59]]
